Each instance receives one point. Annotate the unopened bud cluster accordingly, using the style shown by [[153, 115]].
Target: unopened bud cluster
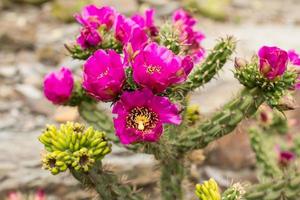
[[209, 190], [72, 146]]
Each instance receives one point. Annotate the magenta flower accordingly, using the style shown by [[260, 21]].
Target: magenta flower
[[272, 61], [96, 17], [185, 23], [157, 68], [141, 115], [58, 86], [181, 16], [147, 22], [89, 37], [103, 75], [136, 43], [294, 57], [285, 158], [124, 28]]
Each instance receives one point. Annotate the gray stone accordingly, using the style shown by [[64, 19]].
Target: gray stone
[[7, 71], [29, 91]]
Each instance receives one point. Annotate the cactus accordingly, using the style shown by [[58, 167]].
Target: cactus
[[147, 72]]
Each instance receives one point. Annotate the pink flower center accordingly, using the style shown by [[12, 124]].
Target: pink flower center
[[142, 119], [152, 69]]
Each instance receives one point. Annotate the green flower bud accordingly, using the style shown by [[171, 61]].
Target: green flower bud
[[273, 90], [73, 145], [55, 162], [192, 114], [209, 190]]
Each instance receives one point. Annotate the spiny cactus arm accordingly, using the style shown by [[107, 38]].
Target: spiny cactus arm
[[106, 184], [97, 117], [172, 174], [223, 122], [264, 160], [207, 70], [287, 187], [235, 192]]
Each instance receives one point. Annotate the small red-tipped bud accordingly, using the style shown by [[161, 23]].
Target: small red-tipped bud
[[240, 63]]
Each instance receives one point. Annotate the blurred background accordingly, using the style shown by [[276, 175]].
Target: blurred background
[[32, 34]]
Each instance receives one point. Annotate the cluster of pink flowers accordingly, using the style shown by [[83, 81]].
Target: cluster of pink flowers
[[139, 114], [190, 37], [273, 62]]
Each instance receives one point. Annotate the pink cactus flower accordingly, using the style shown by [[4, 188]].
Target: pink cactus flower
[[89, 37], [147, 22], [294, 57], [157, 68], [58, 86], [124, 28], [272, 62], [40, 195], [136, 43], [14, 196], [103, 75], [185, 23], [285, 158], [96, 17], [141, 115], [181, 16]]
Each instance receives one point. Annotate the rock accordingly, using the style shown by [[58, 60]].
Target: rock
[[127, 7], [7, 92], [226, 177], [167, 9], [64, 10], [7, 71], [64, 114], [41, 106], [157, 2], [32, 2], [23, 30], [232, 151], [215, 9], [29, 91], [49, 55]]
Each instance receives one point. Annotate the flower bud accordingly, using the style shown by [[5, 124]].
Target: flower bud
[[240, 63], [58, 86]]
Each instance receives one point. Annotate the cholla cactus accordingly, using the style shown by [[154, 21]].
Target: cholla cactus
[[146, 72]]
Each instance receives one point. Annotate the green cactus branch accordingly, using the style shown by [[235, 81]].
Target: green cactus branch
[[222, 122], [285, 188], [263, 157], [207, 70], [172, 174], [106, 184]]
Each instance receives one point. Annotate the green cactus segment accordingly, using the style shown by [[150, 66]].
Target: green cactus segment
[[207, 70], [73, 146], [170, 38], [79, 95], [235, 192], [287, 187], [273, 90], [262, 153], [209, 190], [223, 122], [107, 185], [97, 117]]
